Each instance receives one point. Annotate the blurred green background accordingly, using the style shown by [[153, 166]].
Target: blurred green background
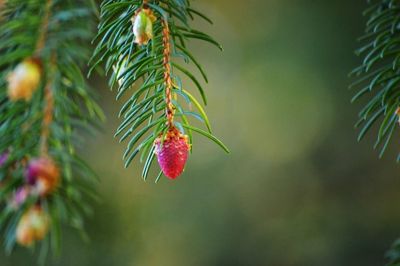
[[297, 188]]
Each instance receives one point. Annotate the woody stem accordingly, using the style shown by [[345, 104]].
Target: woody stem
[[48, 94], [47, 119], [44, 27], [48, 111], [167, 74]]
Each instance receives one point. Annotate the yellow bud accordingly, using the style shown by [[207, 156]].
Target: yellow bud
[[24, 80], [25, 235], [143, 26], [40, 223], [33, 226]]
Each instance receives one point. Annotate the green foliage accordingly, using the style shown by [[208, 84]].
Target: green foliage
[[379, 80], [139, 71], [75, 111], [394, 254], [378, 75]]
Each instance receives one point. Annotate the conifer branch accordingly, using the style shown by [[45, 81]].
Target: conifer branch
[[44, 102], [378, 81], [142, 44], [378, 75]]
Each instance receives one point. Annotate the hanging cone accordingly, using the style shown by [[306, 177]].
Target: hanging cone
[[43, 174], [172, 154]]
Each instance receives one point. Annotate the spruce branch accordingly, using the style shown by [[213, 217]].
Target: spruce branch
[[378, 81], [393, 255], [378, 75], [42, 177], [142, 44]]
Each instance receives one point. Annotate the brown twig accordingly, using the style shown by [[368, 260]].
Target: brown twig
[[47, 117], [48, 109], [48, 94], [44, 28], [167, 74]]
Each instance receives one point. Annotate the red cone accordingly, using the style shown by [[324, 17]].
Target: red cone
[[172, 154]]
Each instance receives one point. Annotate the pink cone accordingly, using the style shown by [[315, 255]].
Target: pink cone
[[44, 174], [172, 154]]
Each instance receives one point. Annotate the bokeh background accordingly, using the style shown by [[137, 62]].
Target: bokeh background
[[297, 189]]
